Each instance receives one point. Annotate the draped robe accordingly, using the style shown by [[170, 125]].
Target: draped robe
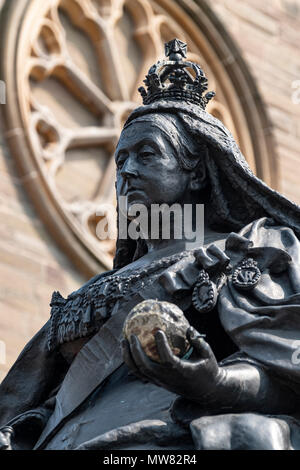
[[42, 392]]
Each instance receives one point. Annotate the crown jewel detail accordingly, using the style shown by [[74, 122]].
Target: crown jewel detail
[[171, 80]]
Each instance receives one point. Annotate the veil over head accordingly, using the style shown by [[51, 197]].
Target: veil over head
[[237, 196]]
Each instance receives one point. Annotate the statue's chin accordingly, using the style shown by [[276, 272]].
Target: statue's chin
[[138, 200], [136, 195]]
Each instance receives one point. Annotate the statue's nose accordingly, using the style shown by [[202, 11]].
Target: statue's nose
[[129, 169]]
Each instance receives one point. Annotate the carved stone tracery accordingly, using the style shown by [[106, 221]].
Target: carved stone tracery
[[78, 65]]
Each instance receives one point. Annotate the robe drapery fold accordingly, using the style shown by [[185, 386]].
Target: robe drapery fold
[[263, 321]]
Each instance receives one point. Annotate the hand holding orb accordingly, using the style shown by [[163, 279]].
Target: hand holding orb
[[150, 316]]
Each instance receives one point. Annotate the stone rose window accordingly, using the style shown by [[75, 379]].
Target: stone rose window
[[72, 69]]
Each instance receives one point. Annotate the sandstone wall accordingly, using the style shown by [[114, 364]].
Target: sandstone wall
[[268, 33], [31, 266]]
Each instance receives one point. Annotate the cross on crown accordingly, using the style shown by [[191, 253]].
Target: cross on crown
[[176, 79]]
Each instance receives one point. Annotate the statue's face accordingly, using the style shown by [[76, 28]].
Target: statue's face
[[148, 171]]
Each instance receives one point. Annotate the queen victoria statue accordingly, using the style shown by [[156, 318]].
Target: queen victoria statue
[[82, 383]]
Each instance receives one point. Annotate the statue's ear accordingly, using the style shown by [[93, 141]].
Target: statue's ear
[[198, 176]]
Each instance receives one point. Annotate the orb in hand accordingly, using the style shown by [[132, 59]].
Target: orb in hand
[[149, 316]]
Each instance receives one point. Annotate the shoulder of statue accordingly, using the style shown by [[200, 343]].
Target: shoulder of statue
[[264, 238], [265, 227], [72, 317], [91, 281], [262, 245]]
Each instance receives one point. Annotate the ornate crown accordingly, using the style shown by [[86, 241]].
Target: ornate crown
[[171, 80]]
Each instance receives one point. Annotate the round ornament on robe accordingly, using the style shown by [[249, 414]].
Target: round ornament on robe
[[146, 318], [247, 275]]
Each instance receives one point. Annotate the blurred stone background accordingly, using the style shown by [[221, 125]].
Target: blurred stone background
[[33, 262]]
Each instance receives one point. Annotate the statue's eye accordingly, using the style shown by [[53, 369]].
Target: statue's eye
[[146, 154], [120, 162]]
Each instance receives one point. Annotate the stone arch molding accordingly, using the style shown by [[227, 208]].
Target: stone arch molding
[[72, 69]]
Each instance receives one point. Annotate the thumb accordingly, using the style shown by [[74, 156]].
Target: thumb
[[200, 345]]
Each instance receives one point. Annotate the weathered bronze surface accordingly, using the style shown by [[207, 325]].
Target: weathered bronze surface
[[150, 316], [79, 384]]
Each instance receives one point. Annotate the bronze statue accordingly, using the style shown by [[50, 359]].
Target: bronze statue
[[79, 384]]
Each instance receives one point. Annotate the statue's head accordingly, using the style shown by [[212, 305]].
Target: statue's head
[[158, 163], [156, 159], [172, 151]]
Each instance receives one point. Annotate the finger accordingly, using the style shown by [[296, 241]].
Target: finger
[[164, 351], [197, 341]]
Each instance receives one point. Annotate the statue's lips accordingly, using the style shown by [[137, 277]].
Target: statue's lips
[[131, 191]]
